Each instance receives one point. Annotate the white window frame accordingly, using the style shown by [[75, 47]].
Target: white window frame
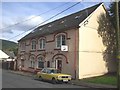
[[23, 46], [61, 40], [33, 44], [32, 62], [42, 44]]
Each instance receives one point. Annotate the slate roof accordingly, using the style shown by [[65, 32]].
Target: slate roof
[[62, 24], [10, 54], [3, 55]]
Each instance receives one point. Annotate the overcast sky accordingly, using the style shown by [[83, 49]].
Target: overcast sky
[[14, 12]]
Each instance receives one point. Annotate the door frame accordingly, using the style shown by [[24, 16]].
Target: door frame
[[57, 62]]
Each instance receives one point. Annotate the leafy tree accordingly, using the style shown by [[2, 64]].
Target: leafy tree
[[9, 46], [113, 19], [112, 12], [108, 34], [15, 50], [113, 15]]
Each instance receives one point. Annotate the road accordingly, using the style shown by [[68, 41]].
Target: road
[[12, 80]]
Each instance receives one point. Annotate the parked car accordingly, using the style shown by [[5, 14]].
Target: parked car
[[53, 75]]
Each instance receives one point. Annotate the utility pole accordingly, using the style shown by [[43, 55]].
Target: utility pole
[[118, 42]]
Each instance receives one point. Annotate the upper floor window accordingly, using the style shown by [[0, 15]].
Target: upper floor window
[[22, 46], [60, 40], [42, 43], [33, 45]]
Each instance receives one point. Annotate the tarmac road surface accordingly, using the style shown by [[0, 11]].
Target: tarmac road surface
[[12, 80]]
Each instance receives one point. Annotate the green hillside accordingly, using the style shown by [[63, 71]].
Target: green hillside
[[9, 46]]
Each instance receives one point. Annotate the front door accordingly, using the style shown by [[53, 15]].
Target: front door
[[58, 65]]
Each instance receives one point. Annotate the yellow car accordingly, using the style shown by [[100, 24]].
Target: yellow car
[[53, 75]]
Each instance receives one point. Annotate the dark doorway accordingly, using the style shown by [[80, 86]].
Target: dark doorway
[[59, 64]]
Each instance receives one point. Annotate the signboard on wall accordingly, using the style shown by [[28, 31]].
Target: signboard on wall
[[64, 48]]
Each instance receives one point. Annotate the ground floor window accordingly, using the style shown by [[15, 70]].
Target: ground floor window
[[57, 64], [40, 62], [48, 63], [32, 62]]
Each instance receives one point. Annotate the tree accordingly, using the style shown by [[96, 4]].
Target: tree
[[108, 34], [15, 50], [115, 14], [112, 13]]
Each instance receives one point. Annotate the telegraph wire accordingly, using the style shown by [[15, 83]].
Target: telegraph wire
[[53, 16], [33, 16], [46, 20]]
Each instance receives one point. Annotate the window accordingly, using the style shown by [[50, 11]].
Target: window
[[33, 45], [42, 43], [32, 62], [60, 40], [48, 63], [23, 46], [40, 62]]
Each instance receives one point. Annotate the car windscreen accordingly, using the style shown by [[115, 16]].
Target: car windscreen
[[54, 71]]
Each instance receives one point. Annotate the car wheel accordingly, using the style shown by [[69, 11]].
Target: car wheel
[[69, 82], [53, 81], [40, 78]]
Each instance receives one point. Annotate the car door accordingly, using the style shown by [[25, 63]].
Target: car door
[[44, 72], [47, 74]]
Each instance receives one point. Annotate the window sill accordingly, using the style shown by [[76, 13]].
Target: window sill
[[32, 50], [22, 51], [38, 68], [57, 49], [31, 67], [41, 50]]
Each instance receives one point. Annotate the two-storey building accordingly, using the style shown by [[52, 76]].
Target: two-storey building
[[68, 44]]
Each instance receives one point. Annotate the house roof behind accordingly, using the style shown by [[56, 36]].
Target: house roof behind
[[3, 55], [65, 23], [10, 54]]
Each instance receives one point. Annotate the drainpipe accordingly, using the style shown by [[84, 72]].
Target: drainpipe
[[75, 55], [36, 56]]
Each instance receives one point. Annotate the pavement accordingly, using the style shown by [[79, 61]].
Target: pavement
[[73, 82]]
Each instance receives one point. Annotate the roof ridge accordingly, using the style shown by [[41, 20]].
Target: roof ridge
[[70, 14], [37, 30]]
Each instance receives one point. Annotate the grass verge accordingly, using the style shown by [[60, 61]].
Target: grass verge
[[105, 79]]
